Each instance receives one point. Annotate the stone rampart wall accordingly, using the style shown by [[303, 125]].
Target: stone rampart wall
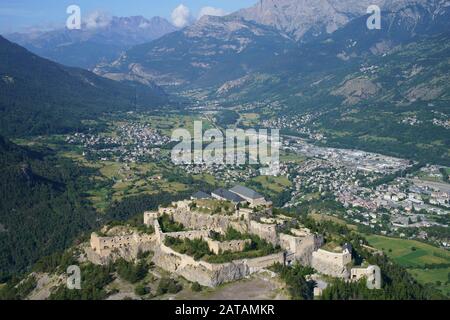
[[223, 246], [267, 232], [332, 264], [209, 274]]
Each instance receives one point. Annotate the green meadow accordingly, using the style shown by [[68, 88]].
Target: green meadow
[[428, 264]]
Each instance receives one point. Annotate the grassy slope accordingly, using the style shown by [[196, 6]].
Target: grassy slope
[[416, 261]]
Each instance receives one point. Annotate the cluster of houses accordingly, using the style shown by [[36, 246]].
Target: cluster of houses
[[132, 142], [223, 172], [297, 123], [351, 178]]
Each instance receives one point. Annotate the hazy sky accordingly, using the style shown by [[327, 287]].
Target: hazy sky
[[20, 15]]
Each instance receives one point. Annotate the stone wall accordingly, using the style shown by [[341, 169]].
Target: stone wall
[[150, 216], [311, 245], [358, 273], [303, 232], [243, 214], [201, 221], [191, 235], [267, 232], [104, 245], [214, 246], [371, 273], [159, 235], [301, 248], [256, 264], [208, 274], [169, 210], [290, 243], [331, 263], [223, 246], [102, 250]]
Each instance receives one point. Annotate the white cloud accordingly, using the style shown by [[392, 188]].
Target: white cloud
[[181, 16], [97, 19], [144, 25], [211, 11]]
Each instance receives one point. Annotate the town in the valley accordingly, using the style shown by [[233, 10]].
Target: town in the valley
[[391, 196]]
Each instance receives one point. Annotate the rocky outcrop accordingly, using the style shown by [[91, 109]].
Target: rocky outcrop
[[45, 284], [428, 91], [357, 89], [310, 18], [233, 84]]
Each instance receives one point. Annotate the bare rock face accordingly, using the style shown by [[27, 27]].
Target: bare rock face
[[297, 17], [314, 17], [233, 84], [45, 284], [357, 89], [230, 272], [428, 91]]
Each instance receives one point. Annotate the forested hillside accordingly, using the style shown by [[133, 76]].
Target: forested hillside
[[42, 97], [41, 206], [44, 207]]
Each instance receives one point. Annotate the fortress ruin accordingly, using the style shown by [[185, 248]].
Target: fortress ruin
[[209, 220]]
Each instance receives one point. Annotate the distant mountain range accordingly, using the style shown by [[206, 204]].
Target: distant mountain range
[[304, 55], [42, 97], [305, 20], [265, 39], [213, 50], [94, 43], [316, 56]]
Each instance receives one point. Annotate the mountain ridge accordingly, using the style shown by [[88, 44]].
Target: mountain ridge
[[306, 19], [194, 53], [205, 52], [42, 97]]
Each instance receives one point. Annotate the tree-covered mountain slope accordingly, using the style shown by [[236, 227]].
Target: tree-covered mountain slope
[[398, 103], [212, 51], [42, 97], [41, 206]]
